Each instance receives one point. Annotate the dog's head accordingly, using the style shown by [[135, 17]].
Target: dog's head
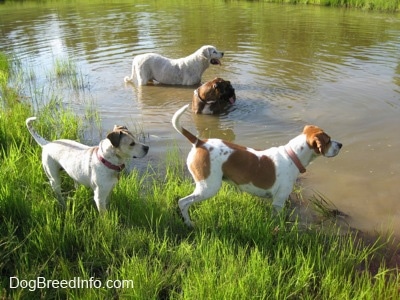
[[322, 144], [125, 144], [222, 91], [218, 94], [212, 54]]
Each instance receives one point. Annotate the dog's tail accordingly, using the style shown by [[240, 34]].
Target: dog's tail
[[130, 78], [40, 140], [175, 122]]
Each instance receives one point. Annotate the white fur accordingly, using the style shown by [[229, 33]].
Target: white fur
[[285, 170], [82, 164], [182, 71]]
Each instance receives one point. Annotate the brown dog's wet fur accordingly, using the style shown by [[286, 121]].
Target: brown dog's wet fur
[[213, 97]]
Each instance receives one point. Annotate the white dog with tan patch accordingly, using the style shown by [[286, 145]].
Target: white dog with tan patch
[[268, 173], [182, 71], [95, 167]]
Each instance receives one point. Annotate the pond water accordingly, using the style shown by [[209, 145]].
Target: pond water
[[290, 66]]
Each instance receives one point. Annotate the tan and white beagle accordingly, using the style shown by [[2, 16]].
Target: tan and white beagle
[[267, 173]]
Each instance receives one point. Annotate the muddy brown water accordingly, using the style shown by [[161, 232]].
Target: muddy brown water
[[290, 66]]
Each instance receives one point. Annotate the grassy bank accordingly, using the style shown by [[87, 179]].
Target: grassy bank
[[141, 246], [384, 5]]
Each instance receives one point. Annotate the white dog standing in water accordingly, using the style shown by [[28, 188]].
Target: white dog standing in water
[[95, 167], [182, 71]]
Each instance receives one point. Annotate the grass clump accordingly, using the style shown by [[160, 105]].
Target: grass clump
[[383, 5], [65, 71], [4, 70], [142, 250]]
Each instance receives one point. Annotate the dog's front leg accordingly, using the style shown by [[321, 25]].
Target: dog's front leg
[[100, 198], [280, 198]]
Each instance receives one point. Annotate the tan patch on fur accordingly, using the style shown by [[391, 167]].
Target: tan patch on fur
[[200, 165], [235, 146], [243, 167], [317, 139], [208, 91], [192, 138], [117, 134]]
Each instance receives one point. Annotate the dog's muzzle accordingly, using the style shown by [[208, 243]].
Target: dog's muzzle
[[145, 149], [229, 95]]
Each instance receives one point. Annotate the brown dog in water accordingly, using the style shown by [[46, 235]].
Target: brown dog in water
[[213, 97]]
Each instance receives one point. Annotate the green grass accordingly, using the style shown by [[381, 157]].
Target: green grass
[[4, 70], [237, 250], [66, 73], [384, 5], [381, 5]]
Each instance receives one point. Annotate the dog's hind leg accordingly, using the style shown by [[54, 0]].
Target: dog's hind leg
[[202, 192], [144, 75], [184, 204], [52, 169], [142, 80]]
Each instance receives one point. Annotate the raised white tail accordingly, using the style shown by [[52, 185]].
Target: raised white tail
[[40, 140], [175, 122]]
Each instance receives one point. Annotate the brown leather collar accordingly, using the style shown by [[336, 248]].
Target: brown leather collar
[[295, 159], [107, 163]]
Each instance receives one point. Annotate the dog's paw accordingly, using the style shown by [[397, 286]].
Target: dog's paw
[[179, 213]]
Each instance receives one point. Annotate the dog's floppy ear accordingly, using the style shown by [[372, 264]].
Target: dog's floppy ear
[[316, 138], [209, 51], [321, 142], [119, 127], [218, 83], [115, 137], [203, 51], [317, 145]]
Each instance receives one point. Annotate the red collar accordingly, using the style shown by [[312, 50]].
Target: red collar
[[107, 163], [295, 159]]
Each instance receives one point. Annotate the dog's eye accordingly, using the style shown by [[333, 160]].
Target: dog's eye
[[132, 144]]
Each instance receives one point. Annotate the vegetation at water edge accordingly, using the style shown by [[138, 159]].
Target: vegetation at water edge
[[384, 5], [381, 5], [141, 248]]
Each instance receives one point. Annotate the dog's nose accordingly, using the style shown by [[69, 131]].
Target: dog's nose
[[340, 145], [222, 53]]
